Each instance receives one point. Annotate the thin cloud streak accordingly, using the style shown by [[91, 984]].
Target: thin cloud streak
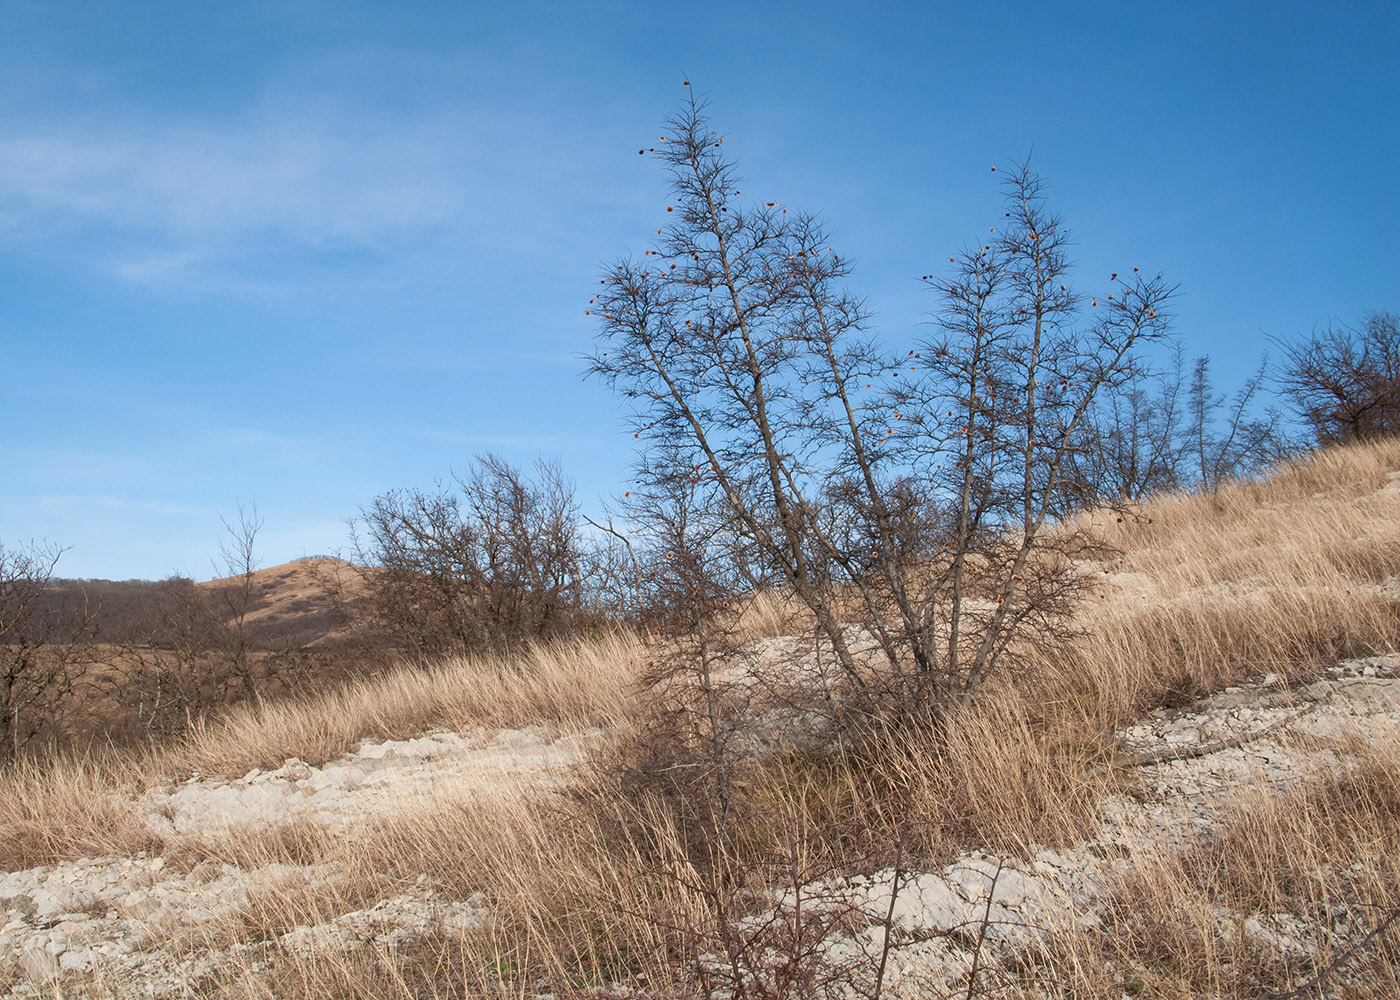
[[159, 203], [540, 443]]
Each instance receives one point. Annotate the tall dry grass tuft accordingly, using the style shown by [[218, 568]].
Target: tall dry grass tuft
[[71, 807], [771, 613], [570, 684], [568, 905]]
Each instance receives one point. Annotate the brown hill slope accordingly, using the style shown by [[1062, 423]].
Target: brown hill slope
[[299, 603]]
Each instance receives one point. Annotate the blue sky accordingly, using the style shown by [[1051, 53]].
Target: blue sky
[[306, 252]]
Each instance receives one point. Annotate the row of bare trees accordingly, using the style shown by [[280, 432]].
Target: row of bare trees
[[74, 669], [785, 442]]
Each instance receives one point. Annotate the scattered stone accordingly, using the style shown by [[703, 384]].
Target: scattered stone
[[38, 964]]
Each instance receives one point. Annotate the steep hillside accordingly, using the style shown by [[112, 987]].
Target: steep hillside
[[289, 604]]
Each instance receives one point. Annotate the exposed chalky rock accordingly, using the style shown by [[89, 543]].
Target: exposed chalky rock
[[75, 960], [1280, 932], [38, 964], [388, 923], [1375, 695], [331, 777]]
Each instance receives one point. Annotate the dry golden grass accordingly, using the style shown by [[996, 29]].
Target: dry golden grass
[[1275, 577], [569, 684], [566, 903], [1283, 577], [69, 808], [76, 806], [767, 614], [1288, 894]]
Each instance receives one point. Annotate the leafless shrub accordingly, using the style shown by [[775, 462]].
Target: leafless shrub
[[489, 563], [44, 648], [1345, 381], [1170, 430], [198, 649], [910, 493]]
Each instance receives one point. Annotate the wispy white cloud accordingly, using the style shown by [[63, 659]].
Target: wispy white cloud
[[156, 201], [476, 360], [256, 439], [305, 175]]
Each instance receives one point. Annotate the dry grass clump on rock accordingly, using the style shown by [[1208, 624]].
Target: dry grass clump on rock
[[1296, 898], [560, 902], [1281, 576], [568, 684], [69, 807]]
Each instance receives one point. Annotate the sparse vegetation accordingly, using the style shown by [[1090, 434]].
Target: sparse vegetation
[[45, 648], [1345, 381], [489, 564]]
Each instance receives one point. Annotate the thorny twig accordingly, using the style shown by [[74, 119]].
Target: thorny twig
[[1333, 965], [982, 931], [899, 874]]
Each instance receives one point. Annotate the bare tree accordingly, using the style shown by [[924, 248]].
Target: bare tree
[[233, 596], [44, 647], [1230, 440], [1345, 381], [912, 492], [488, 563], [197, 649], [1133, 439], [164, 671], [1171, 430], [997, 404]]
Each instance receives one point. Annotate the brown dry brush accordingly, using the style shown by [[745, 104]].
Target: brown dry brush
[[738, 755], [489, 563], [45, 649], [688, 759], [1344, 381]]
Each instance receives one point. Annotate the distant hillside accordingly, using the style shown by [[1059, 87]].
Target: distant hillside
[[292, 604], [295, 603]]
